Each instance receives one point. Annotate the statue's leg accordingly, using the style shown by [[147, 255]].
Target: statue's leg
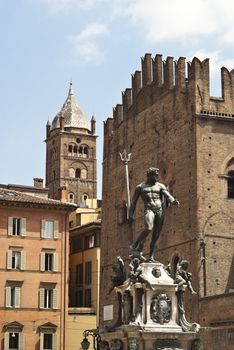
[[158, 224], [149, 223]]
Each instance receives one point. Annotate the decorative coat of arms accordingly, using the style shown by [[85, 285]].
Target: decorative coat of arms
[[160, 309]]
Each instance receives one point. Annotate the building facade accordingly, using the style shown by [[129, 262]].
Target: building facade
[[169, 120], [71, 153], [84, 272], [33, 271]]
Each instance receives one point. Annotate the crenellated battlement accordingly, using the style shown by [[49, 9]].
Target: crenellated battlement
[[160, 77]]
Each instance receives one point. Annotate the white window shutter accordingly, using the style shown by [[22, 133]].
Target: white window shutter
[[42, 261], [10, 226], [8, 296], [9, 259], [55, 342], [17, 297], [41, 298], [23, 227], [6, 341], [55, 262], [22, 260], [55, 298], [21, 341], [42, 341], [56, 229], [43, 223]]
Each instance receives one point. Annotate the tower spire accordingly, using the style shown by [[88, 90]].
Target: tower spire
[[70, 92]]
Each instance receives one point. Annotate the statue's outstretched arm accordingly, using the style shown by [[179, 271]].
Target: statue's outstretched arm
[[169, 197]]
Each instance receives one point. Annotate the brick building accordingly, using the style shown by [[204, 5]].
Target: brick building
[[33, 271], [71, 153], [169, 120]]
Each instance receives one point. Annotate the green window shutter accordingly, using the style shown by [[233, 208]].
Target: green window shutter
[[55, 262], [55, 342], [9, 259], [23, 227], [8, 296], [17, 297], [55, 298], [56, 229], [43, 223], [42, 341], [41, 298], [10, 226], [22, 260], [6, 341], [21, 341], [42, 261]]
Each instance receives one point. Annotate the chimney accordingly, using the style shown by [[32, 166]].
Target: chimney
[[38, 182], [63, 193]]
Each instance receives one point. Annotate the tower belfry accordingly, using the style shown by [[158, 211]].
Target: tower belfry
[[71, 153]]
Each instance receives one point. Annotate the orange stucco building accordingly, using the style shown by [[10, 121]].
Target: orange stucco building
[[34, 242]]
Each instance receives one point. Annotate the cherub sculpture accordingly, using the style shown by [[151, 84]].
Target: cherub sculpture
[[183, 277], [118, 276], [135, 274]]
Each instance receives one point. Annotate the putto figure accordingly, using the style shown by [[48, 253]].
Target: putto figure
[[154, 195], [183, 277]]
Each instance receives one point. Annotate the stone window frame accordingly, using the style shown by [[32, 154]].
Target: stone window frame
[[16, 226], [49, 329], [227, 168], [45, 260], [54, 234], [11, 329]]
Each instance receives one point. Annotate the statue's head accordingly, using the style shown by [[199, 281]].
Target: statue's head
[[152, 174], [184, 264]]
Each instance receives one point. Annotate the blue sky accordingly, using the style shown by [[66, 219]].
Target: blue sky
[[98, 44]]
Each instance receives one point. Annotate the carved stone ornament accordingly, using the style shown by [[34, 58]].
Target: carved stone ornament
[[160, 309], [132, 344], [156, 272], [116, 344], [167, 344]]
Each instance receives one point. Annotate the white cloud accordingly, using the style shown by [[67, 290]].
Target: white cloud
[[182, 19], [92, 31], [85, 44], [58, 6]]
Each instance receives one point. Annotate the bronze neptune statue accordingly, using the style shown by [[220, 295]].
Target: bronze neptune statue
[[155, 196]]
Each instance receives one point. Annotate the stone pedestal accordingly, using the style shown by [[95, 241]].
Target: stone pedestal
[[150, 317]]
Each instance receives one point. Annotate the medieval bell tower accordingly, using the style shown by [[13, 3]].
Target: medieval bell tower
[[71, 153]]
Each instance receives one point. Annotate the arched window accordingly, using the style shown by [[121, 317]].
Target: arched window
[[70, 150], [230, 184], [85, 197], [71, 172], [71, 197], [83, 174], [80, 151], [78, 173], [86, 152], [75, 149], [54, 174]]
